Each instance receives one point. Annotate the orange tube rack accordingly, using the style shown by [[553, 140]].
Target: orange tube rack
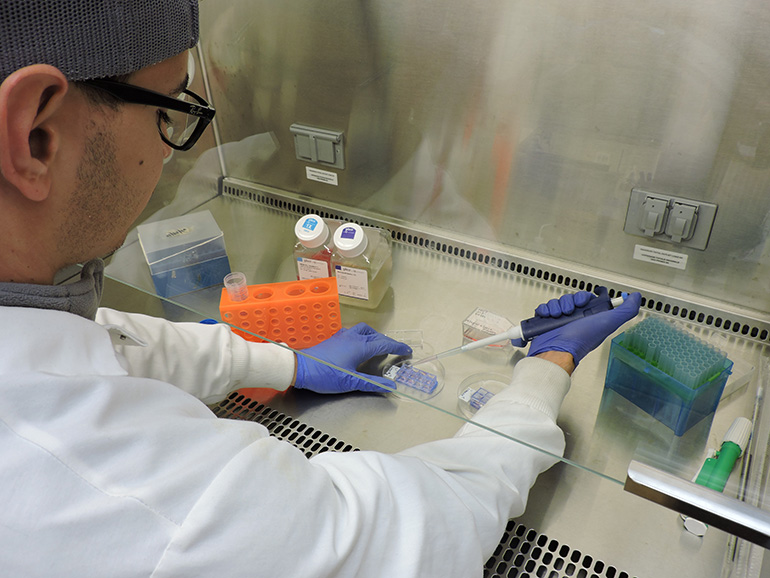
[[297, 313]]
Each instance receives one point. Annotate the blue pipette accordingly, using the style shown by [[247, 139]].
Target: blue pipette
[[535, 326]]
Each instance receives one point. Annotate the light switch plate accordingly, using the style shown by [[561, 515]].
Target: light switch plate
[[690, 218]]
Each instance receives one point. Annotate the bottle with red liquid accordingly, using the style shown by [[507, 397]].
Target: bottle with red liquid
[[313, 250]]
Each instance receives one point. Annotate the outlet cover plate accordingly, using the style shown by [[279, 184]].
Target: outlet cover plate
[[705, 215]]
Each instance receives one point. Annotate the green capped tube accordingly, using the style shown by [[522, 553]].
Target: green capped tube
[[716, 470]]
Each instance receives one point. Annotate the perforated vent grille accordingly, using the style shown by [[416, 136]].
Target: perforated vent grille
[[736, 324], [310, 440], [522, 552]]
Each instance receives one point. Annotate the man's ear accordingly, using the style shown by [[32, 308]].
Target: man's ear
[[28, 141]]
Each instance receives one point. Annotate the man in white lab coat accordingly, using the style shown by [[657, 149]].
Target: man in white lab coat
[[111, 463]]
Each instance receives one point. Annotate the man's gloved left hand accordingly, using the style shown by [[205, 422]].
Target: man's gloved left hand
[[347, 348]]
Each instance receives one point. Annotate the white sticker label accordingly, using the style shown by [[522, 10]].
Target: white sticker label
[[660, 257], [487, 321], [352, 282], [327, 177], [178, 232], [311, 269], [482, 323]]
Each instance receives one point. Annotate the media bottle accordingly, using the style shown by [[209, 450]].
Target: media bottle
[[363, 264], [313, 249]]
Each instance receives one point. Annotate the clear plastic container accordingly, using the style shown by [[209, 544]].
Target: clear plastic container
[[475, 391], [363, 264], [481, 324], [313, 250], [430, 379], [184, 253]]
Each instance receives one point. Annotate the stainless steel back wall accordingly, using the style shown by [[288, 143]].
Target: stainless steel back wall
[[522, 123]]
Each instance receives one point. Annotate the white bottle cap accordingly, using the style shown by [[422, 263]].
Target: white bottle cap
[[350, 240], [312, 231]]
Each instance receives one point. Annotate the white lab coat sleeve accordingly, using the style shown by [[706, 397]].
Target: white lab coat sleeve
[[519, 440], [207, 361], [438, 509]]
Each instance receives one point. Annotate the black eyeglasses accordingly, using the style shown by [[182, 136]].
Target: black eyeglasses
[[181, 120]]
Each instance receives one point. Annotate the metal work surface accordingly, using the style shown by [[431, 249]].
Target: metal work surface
[[579, 502]]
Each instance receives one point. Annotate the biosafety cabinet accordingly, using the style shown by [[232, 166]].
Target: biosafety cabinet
[[511, 151]]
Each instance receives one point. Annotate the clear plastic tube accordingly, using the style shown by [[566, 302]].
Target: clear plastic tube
[[235, 283]]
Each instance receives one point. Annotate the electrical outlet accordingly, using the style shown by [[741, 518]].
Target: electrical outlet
[[685, 222]]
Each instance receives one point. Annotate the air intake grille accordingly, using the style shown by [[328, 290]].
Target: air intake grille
[[734, 323], [310, 440], [522, 552]]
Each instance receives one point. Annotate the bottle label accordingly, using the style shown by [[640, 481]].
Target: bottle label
[[352, 282], [311, 269], [310, 224]]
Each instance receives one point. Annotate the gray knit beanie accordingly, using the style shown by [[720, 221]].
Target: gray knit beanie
[[94, 38]]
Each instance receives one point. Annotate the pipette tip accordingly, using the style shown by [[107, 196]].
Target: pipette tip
[[424, 360]]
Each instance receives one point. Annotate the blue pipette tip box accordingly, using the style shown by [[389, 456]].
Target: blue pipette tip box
[[670, 374], [185, 253], [411, 377]]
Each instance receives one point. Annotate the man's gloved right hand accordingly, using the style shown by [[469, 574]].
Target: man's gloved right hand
[[583, 335], [317, 366], [563, 305]]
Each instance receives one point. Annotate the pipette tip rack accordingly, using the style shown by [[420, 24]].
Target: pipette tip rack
[[668, 372], [683, 356]]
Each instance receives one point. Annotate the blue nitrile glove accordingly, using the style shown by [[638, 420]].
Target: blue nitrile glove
[[584, 335], [564, 305], [347, 348]]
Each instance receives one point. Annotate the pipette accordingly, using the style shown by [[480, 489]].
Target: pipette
[[534, 326]]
